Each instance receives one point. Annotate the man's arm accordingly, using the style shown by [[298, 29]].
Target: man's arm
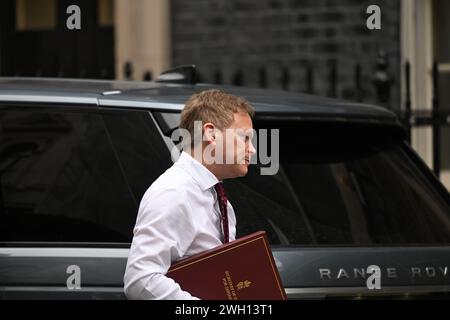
[[162, 234]]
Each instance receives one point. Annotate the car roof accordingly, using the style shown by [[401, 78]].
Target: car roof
[[172, 97]]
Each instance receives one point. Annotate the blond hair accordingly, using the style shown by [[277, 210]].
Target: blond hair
[[213, 106]]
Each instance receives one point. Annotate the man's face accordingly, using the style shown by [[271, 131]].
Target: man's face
[[237, 146]]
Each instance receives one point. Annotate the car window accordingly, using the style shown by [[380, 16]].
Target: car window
[[140, 148], [70, 176], [340, 183]]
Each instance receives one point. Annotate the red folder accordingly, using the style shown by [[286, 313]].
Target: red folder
[[243, 269]]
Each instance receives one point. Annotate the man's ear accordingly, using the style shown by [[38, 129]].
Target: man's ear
[[209, 132]]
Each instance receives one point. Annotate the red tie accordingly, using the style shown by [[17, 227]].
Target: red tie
[[220, 189]]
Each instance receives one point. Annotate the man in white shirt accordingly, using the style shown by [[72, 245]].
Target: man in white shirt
[[185, 211]]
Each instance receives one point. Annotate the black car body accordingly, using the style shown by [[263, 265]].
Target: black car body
[[77, 155]]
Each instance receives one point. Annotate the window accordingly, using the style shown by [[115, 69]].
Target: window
[[338, 184], [341, 184], [105, 13], [33, 15], [71, 176], [442, 54], [142, 152]]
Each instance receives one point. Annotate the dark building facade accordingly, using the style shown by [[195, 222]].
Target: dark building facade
[[318, 46], [35, 41]]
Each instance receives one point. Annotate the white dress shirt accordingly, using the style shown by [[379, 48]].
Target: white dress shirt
[[178, 216]]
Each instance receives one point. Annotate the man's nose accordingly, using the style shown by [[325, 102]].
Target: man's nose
[[251, 148]]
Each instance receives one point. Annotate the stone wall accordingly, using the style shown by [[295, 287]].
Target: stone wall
[[247, 35]]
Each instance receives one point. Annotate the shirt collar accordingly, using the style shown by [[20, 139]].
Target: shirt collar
[[205, 178]]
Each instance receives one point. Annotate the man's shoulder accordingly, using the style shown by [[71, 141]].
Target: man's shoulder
[[173, 179], [171, 189]]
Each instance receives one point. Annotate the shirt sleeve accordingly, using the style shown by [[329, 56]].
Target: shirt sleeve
[[163, 233]]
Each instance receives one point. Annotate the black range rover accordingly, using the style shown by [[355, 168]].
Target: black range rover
[[76, 156]]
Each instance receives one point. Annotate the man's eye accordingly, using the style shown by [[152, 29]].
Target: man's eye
[[244, 137]]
